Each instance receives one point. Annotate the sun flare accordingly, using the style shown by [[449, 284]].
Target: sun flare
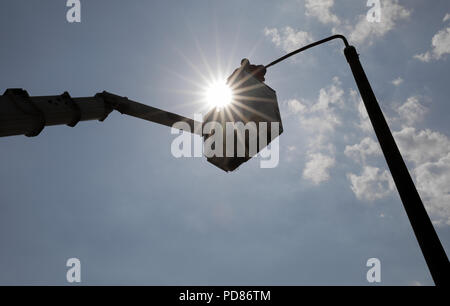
[[219, 94]]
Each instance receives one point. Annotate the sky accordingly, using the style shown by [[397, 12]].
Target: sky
[[112, 195]]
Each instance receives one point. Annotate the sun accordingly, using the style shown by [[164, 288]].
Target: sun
[[219, 94]]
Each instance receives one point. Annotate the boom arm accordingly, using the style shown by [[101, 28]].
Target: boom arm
[[21, 114]]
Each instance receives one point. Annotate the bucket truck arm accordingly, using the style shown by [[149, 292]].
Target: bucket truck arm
[[21, 114]]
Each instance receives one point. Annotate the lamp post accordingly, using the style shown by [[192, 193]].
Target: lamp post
[[424, 231]]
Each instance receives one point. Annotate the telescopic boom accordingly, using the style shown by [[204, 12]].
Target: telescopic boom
[[21, 114]]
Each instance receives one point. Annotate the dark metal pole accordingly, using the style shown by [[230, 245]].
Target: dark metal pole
[[432, 249], [429, 243]]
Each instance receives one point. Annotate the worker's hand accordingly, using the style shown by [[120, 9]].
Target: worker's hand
[[257, 71]]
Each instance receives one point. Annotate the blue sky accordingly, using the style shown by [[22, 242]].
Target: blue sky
[[112, 194]]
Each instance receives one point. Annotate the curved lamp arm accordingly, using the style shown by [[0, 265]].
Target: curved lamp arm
[[338, 36]]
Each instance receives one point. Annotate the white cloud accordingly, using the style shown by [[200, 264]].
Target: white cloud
[[317, 168], [397, 82], [424, 57], [364, 122], [426, 150], [321, 116], [287, 38], [372, 184], [321, 123], [295, 106], [440, 45], [321, 9], [319, 119], [433, 184], [429, 151], [446, 17], [359, 32], [422, 146], [361, 150], [334, 94], [412, 111], [273, 33], [429, 155], [364, 31]]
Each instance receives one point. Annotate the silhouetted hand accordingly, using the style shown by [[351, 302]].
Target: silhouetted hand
[[257, 71]]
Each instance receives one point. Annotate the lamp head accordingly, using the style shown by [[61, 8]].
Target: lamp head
[[248, 121]]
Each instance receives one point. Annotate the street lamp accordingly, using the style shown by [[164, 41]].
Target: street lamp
[[251, 101], [429, 243]]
